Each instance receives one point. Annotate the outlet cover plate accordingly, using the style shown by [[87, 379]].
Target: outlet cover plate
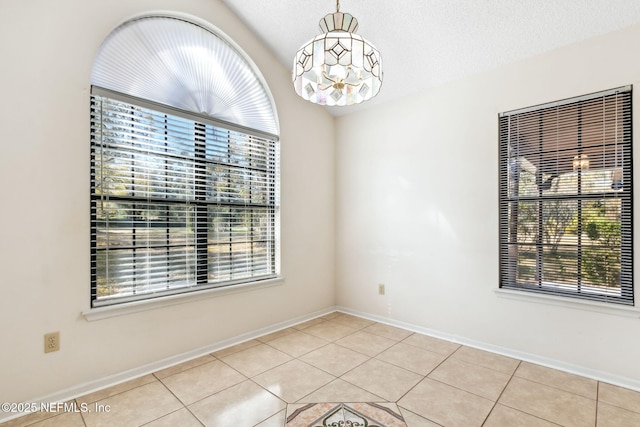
[[51, 342]]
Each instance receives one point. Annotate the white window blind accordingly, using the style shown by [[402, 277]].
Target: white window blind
[[566, 198], [187, 64], [178, 202]]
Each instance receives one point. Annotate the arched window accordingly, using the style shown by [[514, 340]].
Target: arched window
[[184, 163]]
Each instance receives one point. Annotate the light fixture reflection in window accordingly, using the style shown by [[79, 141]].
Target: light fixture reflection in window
[[581, 163]]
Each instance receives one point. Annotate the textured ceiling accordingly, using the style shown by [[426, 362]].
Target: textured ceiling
[[424, 43]]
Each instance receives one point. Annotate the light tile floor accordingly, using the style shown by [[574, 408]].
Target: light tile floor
[[343, 358]]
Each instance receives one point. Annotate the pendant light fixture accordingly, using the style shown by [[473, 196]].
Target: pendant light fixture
[[338, 67]]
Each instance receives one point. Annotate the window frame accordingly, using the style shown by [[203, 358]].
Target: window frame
[[201, 123], [509, 234]]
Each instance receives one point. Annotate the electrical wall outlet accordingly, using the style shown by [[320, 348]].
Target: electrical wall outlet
[[381, 289], [51, 342]]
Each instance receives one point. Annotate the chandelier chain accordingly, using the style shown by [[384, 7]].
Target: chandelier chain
[[337, 5]]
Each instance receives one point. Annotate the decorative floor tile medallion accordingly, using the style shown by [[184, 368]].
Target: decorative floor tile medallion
[[344, 415]]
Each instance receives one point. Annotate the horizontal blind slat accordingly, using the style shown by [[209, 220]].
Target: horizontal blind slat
[[565, 198], [168, 191]]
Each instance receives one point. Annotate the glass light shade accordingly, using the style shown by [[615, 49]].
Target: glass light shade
[[338, 67]]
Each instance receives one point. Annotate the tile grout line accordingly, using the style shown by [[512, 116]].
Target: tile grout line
[[519, 409], [184, 406], [424, 377], [291, 355], [120, 392], [156, 379], [209, 395], [404, 341], [261, 372], [185, 370], [597, 401], [356, 330], [501, 393], [558, 388], [81, 414], [344, 373], [418, 415], [512, 376], [470, 362], [271, 393], [363, 389], [451, 356], [634, 411], [410, 370]]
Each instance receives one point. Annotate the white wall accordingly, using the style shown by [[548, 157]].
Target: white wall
[[46, 52], [416, 207], [417, 203]]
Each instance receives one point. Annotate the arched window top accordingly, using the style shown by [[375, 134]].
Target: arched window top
[[188, 64]]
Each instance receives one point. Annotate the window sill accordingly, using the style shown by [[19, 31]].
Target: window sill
[[598, 307], [155, 303]]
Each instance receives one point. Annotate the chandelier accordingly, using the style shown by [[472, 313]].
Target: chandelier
[[338, 67]]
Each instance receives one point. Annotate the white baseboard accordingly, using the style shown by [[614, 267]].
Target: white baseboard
[[527, 357], [115, 379]]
